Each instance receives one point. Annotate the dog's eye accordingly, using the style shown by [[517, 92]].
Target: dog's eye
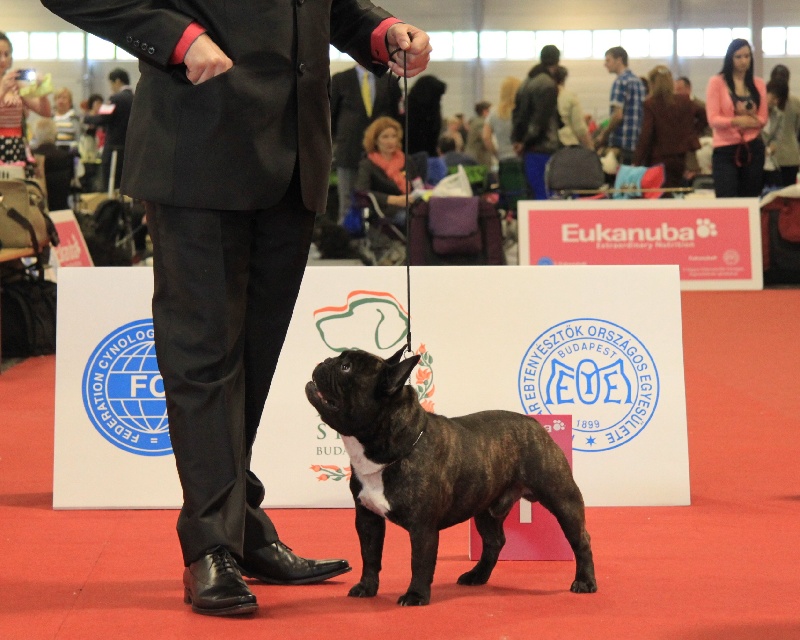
[[345, 366]]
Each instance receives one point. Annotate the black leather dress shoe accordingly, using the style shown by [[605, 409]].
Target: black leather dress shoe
[[276, 564], [214, 586]]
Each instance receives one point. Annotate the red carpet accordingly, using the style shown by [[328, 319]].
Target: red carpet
[[726, 567]]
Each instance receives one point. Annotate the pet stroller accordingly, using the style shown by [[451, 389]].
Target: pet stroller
[[574, 172], [381, 241], [455, 231], [573, 169]]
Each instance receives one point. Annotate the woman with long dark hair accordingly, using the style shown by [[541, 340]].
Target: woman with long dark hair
[[425, 107], [736, 105]]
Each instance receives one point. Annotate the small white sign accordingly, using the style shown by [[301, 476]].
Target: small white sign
[[715, 242]]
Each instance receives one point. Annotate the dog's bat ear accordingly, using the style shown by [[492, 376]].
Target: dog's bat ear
[[394, 359], [396, 375]]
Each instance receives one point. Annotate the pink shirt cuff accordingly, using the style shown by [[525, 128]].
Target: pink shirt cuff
[[193, 31], [378, 40]]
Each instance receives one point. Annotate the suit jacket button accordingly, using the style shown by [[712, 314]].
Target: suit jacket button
[[128, 39], [151, 50], [301, 68], [136, 43], [144, 46]]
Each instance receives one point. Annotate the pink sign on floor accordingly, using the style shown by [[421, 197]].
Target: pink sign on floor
[[71, 250], [715, 243], [532, 532]]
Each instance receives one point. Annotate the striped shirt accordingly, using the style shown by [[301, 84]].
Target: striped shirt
[[68, 128], [11, 118], [627, 92]]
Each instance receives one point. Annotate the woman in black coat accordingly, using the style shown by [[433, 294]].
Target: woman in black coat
[[425, 110]]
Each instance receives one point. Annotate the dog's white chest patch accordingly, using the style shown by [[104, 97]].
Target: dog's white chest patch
[[370, 474]]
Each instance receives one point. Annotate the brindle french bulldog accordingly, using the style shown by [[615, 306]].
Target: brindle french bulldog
[[426, 472]]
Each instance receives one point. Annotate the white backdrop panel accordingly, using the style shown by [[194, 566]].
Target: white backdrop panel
[[601, 343]]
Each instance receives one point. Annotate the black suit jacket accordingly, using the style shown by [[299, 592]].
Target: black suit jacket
[[349, 117], [231, 142]]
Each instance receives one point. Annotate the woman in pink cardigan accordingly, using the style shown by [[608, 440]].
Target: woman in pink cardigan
[[736, 105]]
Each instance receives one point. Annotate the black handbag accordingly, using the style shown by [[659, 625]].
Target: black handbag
[[28, 317]]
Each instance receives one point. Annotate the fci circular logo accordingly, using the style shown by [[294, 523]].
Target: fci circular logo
[[597, 371], [123, 391]]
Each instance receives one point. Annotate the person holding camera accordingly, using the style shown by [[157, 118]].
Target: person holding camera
[[736, 105], [13, 109]]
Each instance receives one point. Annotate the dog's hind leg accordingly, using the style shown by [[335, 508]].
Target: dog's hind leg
[[371, 529], [567, 506], [490, 528]]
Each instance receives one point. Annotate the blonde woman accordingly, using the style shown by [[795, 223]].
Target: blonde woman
[[668, 130], [497, 126], [382, 171], [574, 132], [68, 122]]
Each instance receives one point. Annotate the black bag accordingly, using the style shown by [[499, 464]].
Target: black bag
[[453, 225], [107, 232], [28, 317], [780, 241], [421, 239]]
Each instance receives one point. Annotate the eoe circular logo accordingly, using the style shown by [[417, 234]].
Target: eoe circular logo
[[597, 371], [123, 391]]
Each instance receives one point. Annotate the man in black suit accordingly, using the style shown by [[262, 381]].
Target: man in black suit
[[351, 115], [114, 116], [230, 146]]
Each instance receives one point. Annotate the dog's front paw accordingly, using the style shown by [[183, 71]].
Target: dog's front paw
[[413, 599], [363, 590], [473, 578], [583, 586]]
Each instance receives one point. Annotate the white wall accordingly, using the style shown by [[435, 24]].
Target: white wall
[[470, 81]]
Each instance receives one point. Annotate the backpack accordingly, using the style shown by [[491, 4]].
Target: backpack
[[24, 221], [108, 234], [28, 317]]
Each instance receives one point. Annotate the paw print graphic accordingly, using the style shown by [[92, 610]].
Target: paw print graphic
[[558, 425], [706, 228]]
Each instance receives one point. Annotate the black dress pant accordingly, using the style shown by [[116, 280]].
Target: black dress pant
[[225, 287], [738, 170]]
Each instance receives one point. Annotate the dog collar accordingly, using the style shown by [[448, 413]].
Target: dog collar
[[409, 451], [362, 465]]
